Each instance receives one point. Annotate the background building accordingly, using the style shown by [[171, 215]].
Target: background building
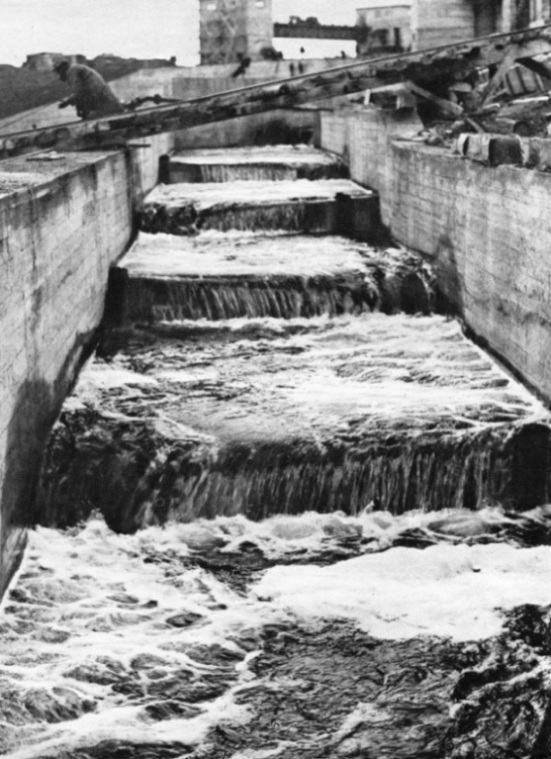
[[387, 24], [47, 61], [442, 22], [231, 30]]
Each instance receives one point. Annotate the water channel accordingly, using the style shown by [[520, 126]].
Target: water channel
[[289, 510]]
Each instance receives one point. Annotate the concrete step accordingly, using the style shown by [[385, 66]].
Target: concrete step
[[272, 162], [328, 206], [284, 416], [220, 275]]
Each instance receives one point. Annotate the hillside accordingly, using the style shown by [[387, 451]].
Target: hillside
[[23, 88]]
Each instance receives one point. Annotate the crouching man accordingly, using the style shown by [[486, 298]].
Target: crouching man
[[91, 95]]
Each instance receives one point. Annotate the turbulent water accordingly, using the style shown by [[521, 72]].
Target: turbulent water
[[301, 205], [257, 555], [304, 636], [421, 636], [230, 275], [272, 162], [267, 416]]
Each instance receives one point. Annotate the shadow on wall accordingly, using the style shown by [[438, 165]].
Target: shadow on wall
[[531, 455], [26, 437], [449, 297], [529, 448], [34, 412], [278, 132]]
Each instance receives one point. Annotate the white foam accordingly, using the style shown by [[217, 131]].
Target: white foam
[[456, 591], [207, 194], [244, 254], [76, 580], [265, 154]]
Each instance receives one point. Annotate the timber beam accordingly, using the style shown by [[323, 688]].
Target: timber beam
[[424, 68]]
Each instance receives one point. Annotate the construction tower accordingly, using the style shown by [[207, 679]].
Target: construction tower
[[231, 30]]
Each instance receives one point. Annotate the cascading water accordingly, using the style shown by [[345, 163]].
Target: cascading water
[[301, 205], [223, 276], [281, 519], [323, 414], [252, 173], [272, 163]]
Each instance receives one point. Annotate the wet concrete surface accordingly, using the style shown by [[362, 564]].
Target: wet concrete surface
[[273, 162], [282, 416], [42, 167], [225, 275], [11, 182], [299, 205]]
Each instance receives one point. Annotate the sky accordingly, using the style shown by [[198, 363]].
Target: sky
[[130, 28]]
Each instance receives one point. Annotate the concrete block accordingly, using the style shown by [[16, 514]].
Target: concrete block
[[494, 150], [221, 276], [295, 206], [274, 162], [359, 218], [540, 148], [505, 150]]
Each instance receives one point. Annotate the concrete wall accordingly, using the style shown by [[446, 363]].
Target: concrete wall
[[61, 226], [257, 69], [487, 230], [441, 22], [364, 138], [388, 17], [199, 81], [260, 26], [273, 126], [144, 162]]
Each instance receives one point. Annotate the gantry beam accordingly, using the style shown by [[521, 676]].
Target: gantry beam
[[424, 68], [303, 30]]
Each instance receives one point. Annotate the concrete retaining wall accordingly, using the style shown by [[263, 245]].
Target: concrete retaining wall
[[195, 81], [487, 230], [61, 226], [365, 138], [257, 129]]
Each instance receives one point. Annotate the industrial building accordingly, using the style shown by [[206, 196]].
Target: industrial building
[[441, 22], [232, 30]]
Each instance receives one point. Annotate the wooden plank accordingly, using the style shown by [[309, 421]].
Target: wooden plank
[[445, 105], [499, 77]]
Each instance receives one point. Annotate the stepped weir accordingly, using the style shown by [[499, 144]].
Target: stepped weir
[[290, 509]]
